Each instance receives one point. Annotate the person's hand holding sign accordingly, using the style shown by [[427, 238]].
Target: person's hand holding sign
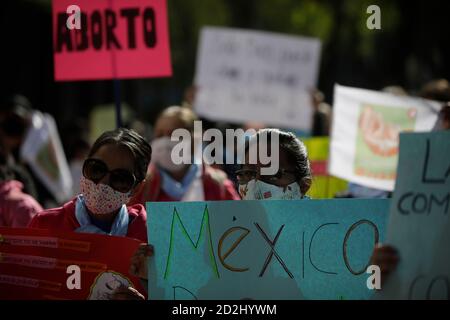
[[138, 265], [127, 293], [387, 258], [138, 268]]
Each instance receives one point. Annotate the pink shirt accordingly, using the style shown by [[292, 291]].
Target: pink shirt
[[16, 208]]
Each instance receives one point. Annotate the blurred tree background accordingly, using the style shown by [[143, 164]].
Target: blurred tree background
[[409, 50]]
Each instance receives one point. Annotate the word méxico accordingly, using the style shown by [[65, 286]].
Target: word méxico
[[232, 238]]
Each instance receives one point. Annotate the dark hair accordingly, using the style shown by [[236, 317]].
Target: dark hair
[[139, 148], [17, 115], [296, 152]]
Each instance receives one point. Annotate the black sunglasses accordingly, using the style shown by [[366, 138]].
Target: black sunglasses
[[121, 180], [245, 175]]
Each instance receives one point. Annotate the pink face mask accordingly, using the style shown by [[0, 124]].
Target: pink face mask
[[101, 198]]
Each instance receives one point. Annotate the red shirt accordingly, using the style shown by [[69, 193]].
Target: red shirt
[[64, 219], [216, 186]]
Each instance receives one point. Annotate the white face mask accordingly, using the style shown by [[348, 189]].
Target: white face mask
[[162, 154], [101, 198], [259, 190]]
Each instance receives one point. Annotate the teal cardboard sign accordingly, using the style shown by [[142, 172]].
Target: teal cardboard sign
[[298, 249]]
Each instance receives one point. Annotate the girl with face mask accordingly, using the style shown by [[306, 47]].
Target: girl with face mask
[[168, 181], [115, 167], [290, 182]]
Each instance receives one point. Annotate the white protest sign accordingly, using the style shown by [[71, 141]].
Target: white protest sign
[[43, 151], [365, 133], [419, 224], [244, 75]]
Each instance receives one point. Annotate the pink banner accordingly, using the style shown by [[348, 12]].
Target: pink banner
[[117, 39]]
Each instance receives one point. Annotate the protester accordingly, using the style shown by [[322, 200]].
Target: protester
[[115, 167], [230, 168], [15, 117], [16, 207], [293, 179], [167, 181]]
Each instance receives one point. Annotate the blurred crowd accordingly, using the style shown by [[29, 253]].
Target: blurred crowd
[[165, 180], [123, 169]]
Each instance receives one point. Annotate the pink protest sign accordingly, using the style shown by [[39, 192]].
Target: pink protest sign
[[117, 39]]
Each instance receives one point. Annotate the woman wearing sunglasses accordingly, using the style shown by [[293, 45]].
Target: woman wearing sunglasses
[[116, 165]]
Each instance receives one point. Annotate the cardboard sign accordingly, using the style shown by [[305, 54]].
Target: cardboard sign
[[298, 249], [365, 133], [259, 76], [117, 40], [419, 223], [323, 186], [35, 264]]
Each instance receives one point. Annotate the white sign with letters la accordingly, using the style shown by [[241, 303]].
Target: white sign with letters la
[[419, 220], [246, 75]]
